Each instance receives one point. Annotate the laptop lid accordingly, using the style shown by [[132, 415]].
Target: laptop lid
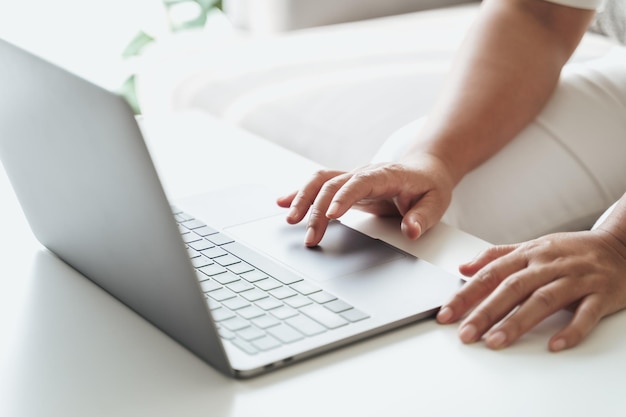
[[67, 145]]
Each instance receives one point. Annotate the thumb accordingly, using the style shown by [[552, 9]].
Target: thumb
[[424, 214]]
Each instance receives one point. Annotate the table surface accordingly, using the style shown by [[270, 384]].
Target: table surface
[[67, 348]]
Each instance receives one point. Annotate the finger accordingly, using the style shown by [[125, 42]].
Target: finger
[[483, 283], [286, 200], [543, 302], [485, 257], [589, 312], [363, 186], [305, 197], [422, 215], [378, 207], [318, 218]]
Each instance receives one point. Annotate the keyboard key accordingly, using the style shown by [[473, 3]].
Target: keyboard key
[[190, 237], [241, 268], [235, 303], [298, 301], [200, 245], [222, 313], [212, 269], [322, 297], [200, 261], [265, 321], [268, 284], [181, 216], [269, 303], [205, 230], [226, 334], [239, 286], [250, 333], [220, 239], [354, 315], [323, 316], [245, 346], [250, 312], [282, 292], [266, 343], [227, 260], [192, 252], [253, 294], [285, 333], [337, 306], [305, 325], [222, 294], [284, 312], [212, 303], [192, 224], [234, 324], [253, 275], [209, 285], [225, 278], [305, 288], [214, 252]]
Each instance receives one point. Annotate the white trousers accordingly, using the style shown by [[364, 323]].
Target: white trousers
[[560, 173]]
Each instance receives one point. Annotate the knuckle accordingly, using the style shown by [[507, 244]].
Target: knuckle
[[486, 280], [515, 286], [591, 312], [545, 298], [322, 174], [315, 213], [483, 317]]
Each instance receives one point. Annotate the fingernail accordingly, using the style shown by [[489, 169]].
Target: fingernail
[[418, 227], [410, 235], [496, 340], [444, 315], [468, 333], [309, 236], [293, 213], [332, 209], [558, 345]]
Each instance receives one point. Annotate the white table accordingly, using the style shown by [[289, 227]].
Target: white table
[[69, 349]]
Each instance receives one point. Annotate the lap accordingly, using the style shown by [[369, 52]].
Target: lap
[[558, 174]]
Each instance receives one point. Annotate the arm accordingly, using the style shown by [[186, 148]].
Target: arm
[[507, 69], [504, 74], [530, 281]]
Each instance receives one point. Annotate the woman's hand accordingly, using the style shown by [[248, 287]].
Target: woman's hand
[[419, 189], [514, 287]]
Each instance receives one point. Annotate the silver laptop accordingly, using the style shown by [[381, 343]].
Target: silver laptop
[[236, 287]]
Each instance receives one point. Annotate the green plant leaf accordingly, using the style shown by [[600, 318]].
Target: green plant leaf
[[137, 44], [129, 92]]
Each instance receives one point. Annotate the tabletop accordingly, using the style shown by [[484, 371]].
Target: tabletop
[[67, 348]]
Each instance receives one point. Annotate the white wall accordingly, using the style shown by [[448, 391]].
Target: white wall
[[86, 36]]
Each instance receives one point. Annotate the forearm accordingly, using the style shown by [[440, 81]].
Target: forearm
[[505, 72]]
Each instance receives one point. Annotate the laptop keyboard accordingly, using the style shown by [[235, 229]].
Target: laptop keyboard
[[258, 306]]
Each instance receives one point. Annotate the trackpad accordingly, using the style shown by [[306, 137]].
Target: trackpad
[[343, 251]]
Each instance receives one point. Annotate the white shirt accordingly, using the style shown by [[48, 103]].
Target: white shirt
[[580, 4]]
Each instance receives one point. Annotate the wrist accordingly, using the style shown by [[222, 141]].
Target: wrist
[[615, 225]]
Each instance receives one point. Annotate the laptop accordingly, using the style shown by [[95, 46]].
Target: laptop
[[238, 288]]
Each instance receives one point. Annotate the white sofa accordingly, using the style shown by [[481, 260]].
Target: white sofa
[[333, 93]]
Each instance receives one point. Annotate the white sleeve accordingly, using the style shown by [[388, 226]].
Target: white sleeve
[[580, 4]]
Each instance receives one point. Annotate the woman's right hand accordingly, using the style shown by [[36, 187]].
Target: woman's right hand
[[418, 188]]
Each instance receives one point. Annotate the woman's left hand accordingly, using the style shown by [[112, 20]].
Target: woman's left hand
[[514, 287]]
